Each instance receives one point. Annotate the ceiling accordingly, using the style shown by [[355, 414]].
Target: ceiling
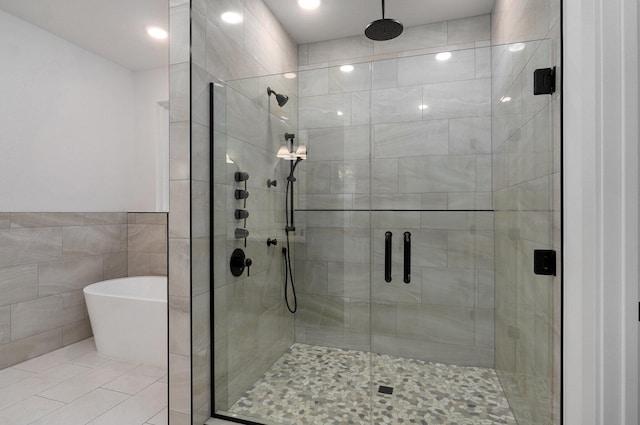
[[346, 18], [114, 29]]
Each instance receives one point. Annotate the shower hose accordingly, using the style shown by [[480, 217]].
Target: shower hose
[[286, 253]]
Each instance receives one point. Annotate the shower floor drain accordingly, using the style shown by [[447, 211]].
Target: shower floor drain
[[382, 389]]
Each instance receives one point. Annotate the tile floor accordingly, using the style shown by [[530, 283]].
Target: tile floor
[[76, 386], [320, 385]]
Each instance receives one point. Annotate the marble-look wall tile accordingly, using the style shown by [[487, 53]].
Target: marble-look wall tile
[[438, 174], [68, 275], [30, 245], [90, 240], [339, 143], [426, 69], [416, 138], [46, 219], [18, 283], [344, 48], [396, 104], [476, 28], [30, 318], [30, 347], [469, 98]]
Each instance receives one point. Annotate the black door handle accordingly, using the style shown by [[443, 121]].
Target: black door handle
[[387, 256], [407, 257]]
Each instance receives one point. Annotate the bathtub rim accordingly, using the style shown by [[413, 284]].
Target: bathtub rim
[[94, 289]]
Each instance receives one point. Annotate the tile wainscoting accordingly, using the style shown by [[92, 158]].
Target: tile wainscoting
[[46, 259]]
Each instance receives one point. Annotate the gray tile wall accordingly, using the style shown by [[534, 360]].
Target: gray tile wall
[[179, 229], [251, 326], [526, 184], [47, 259], [147, 244], [372, 148]]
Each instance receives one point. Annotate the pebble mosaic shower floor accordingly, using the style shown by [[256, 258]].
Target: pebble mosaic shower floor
[[311, 385]]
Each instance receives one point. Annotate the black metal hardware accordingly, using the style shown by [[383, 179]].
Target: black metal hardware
[[387, 256], [273, 241], [544, 81], [241, 194], [383, 389], [544, 262], [241, 214], [273, 183], [238, 262], [407, 257], [289, 136], [241, 176], [241, 234]]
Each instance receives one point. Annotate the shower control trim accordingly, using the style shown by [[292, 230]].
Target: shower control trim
[[241, 176], [241, 214], [241, 194], [273, 241]]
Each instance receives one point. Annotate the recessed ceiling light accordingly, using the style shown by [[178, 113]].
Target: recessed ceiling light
[[516, 47], [290, 75], [309, 4], [505, 99], [231, 17], [340, 113], [444, 56], [157, 33], [423, 107], [346, 68]]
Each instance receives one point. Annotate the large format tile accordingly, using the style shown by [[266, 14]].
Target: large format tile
[[18, 283], [137, 409], [426, 69], [30, 245], [84, 409]]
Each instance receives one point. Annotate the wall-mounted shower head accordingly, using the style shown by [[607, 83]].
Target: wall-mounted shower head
[[281, 98]]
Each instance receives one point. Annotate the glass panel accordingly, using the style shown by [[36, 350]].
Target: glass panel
[[253, 329], [526, 189]]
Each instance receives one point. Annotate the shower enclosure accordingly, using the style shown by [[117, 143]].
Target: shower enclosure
[[429, 180]]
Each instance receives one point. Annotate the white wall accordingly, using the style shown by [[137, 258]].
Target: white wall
[[149, 172], [601, 212], [67, 127]]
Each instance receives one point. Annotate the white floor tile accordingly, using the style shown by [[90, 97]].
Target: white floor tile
[[38, 389], [130, 383], [91, 359], [84, 409], [161, 418], [80, 385], [10, 376], [28, 410], [154, 371], [138, 409]]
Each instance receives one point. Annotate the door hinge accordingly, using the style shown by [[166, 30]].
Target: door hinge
[[544, 262], [544, 81]]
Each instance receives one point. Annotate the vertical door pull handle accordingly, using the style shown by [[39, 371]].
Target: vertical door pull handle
[[407, 257], [387, 256]]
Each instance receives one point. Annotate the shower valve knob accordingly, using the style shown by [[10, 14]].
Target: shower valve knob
[[241, 176], [241, 214], [241, 194], [272, 242]]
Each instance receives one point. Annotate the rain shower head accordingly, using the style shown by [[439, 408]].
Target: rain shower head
[[383, 29], [282, 99]]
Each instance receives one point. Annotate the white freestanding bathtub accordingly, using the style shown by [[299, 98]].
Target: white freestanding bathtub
[[129, 318]]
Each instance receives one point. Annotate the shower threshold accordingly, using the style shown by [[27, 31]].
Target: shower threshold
[[321, 385]]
